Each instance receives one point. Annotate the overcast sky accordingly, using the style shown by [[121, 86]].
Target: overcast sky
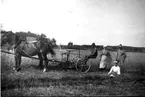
[[105, 22]]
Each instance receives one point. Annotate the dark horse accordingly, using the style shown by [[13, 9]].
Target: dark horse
[[23, 48]]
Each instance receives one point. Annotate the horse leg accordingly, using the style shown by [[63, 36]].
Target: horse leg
[[41, 60], [17, 62]]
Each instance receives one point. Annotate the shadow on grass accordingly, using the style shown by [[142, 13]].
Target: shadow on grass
[[33, 82], [57, 67]]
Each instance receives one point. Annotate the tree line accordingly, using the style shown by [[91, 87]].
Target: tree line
[[100, 47], [27, 35], [70, 45]]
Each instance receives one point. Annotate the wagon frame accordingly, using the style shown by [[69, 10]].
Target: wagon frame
[[76, 62]]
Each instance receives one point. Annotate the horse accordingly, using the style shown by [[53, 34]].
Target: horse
[[23, 48]]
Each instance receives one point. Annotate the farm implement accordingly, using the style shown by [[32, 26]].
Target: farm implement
[[76, 62]]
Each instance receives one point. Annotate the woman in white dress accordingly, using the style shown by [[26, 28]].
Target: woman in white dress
[[105, 59]]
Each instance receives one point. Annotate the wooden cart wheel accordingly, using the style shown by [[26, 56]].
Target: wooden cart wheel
[[63, 64], [72, 63], [82, 67]]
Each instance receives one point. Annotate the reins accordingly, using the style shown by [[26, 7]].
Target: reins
[[17, 44], [22, 49]]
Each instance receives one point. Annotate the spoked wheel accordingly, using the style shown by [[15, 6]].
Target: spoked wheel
[[82, 67], [72, 63], [64, 64]]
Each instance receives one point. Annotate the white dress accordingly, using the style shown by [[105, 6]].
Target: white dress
[[105, 60]]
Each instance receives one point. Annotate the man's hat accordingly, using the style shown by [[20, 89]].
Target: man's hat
[[120, 45], [93, 45]]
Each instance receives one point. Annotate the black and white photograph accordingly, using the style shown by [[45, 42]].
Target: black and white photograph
[[72, 48]]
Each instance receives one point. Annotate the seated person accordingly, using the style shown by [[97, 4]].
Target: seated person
[[93, 54], [115, 70]]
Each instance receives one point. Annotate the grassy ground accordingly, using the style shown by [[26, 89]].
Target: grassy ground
[[31, 81]]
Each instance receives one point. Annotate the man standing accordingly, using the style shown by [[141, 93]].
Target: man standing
[[121, 56]]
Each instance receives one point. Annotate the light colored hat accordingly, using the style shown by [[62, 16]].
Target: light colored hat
[[115, 61]]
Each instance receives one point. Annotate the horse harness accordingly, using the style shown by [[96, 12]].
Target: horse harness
[[25, 42], [21, 48]]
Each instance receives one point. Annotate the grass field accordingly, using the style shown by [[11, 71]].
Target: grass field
[[31, 81]]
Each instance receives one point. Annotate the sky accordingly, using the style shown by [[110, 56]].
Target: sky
[[104, 22]]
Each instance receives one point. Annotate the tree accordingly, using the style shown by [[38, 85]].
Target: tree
[[48, 40], [53, 41]]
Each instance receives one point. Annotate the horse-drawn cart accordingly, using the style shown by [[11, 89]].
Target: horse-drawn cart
[[75, 62], [41, 48]]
